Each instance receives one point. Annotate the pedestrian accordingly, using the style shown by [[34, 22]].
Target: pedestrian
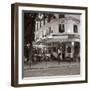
[[59, 56]]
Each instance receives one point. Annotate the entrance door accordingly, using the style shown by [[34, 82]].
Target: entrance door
[[77, 51]]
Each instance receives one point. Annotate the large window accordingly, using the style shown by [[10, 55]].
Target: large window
[[69, 49], [75, 28], [61, 28]]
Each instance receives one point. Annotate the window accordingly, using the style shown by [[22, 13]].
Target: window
[[75, 28], [69, 49], [61, 28]]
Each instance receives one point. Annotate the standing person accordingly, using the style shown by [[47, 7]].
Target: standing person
[[59, 56]]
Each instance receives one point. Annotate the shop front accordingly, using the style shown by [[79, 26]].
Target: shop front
[[68, 46]]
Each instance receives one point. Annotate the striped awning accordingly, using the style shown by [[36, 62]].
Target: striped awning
[[65, 38]]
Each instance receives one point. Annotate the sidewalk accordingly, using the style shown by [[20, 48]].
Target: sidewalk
[[51, 64]]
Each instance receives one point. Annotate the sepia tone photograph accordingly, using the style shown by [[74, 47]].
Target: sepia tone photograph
[[51, 44]]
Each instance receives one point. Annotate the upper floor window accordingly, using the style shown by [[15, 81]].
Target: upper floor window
[[61, 28], [75, 28]]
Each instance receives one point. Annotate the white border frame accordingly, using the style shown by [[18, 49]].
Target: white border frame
[[33, 80]]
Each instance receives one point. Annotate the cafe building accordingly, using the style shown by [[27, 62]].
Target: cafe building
[[62, 31]]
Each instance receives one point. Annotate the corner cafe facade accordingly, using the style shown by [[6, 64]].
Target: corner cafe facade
[[69, 44]]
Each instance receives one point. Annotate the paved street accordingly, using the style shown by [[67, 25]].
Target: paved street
[[51, 69]]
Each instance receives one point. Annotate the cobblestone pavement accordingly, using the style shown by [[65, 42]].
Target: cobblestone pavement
[[52, 69]]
